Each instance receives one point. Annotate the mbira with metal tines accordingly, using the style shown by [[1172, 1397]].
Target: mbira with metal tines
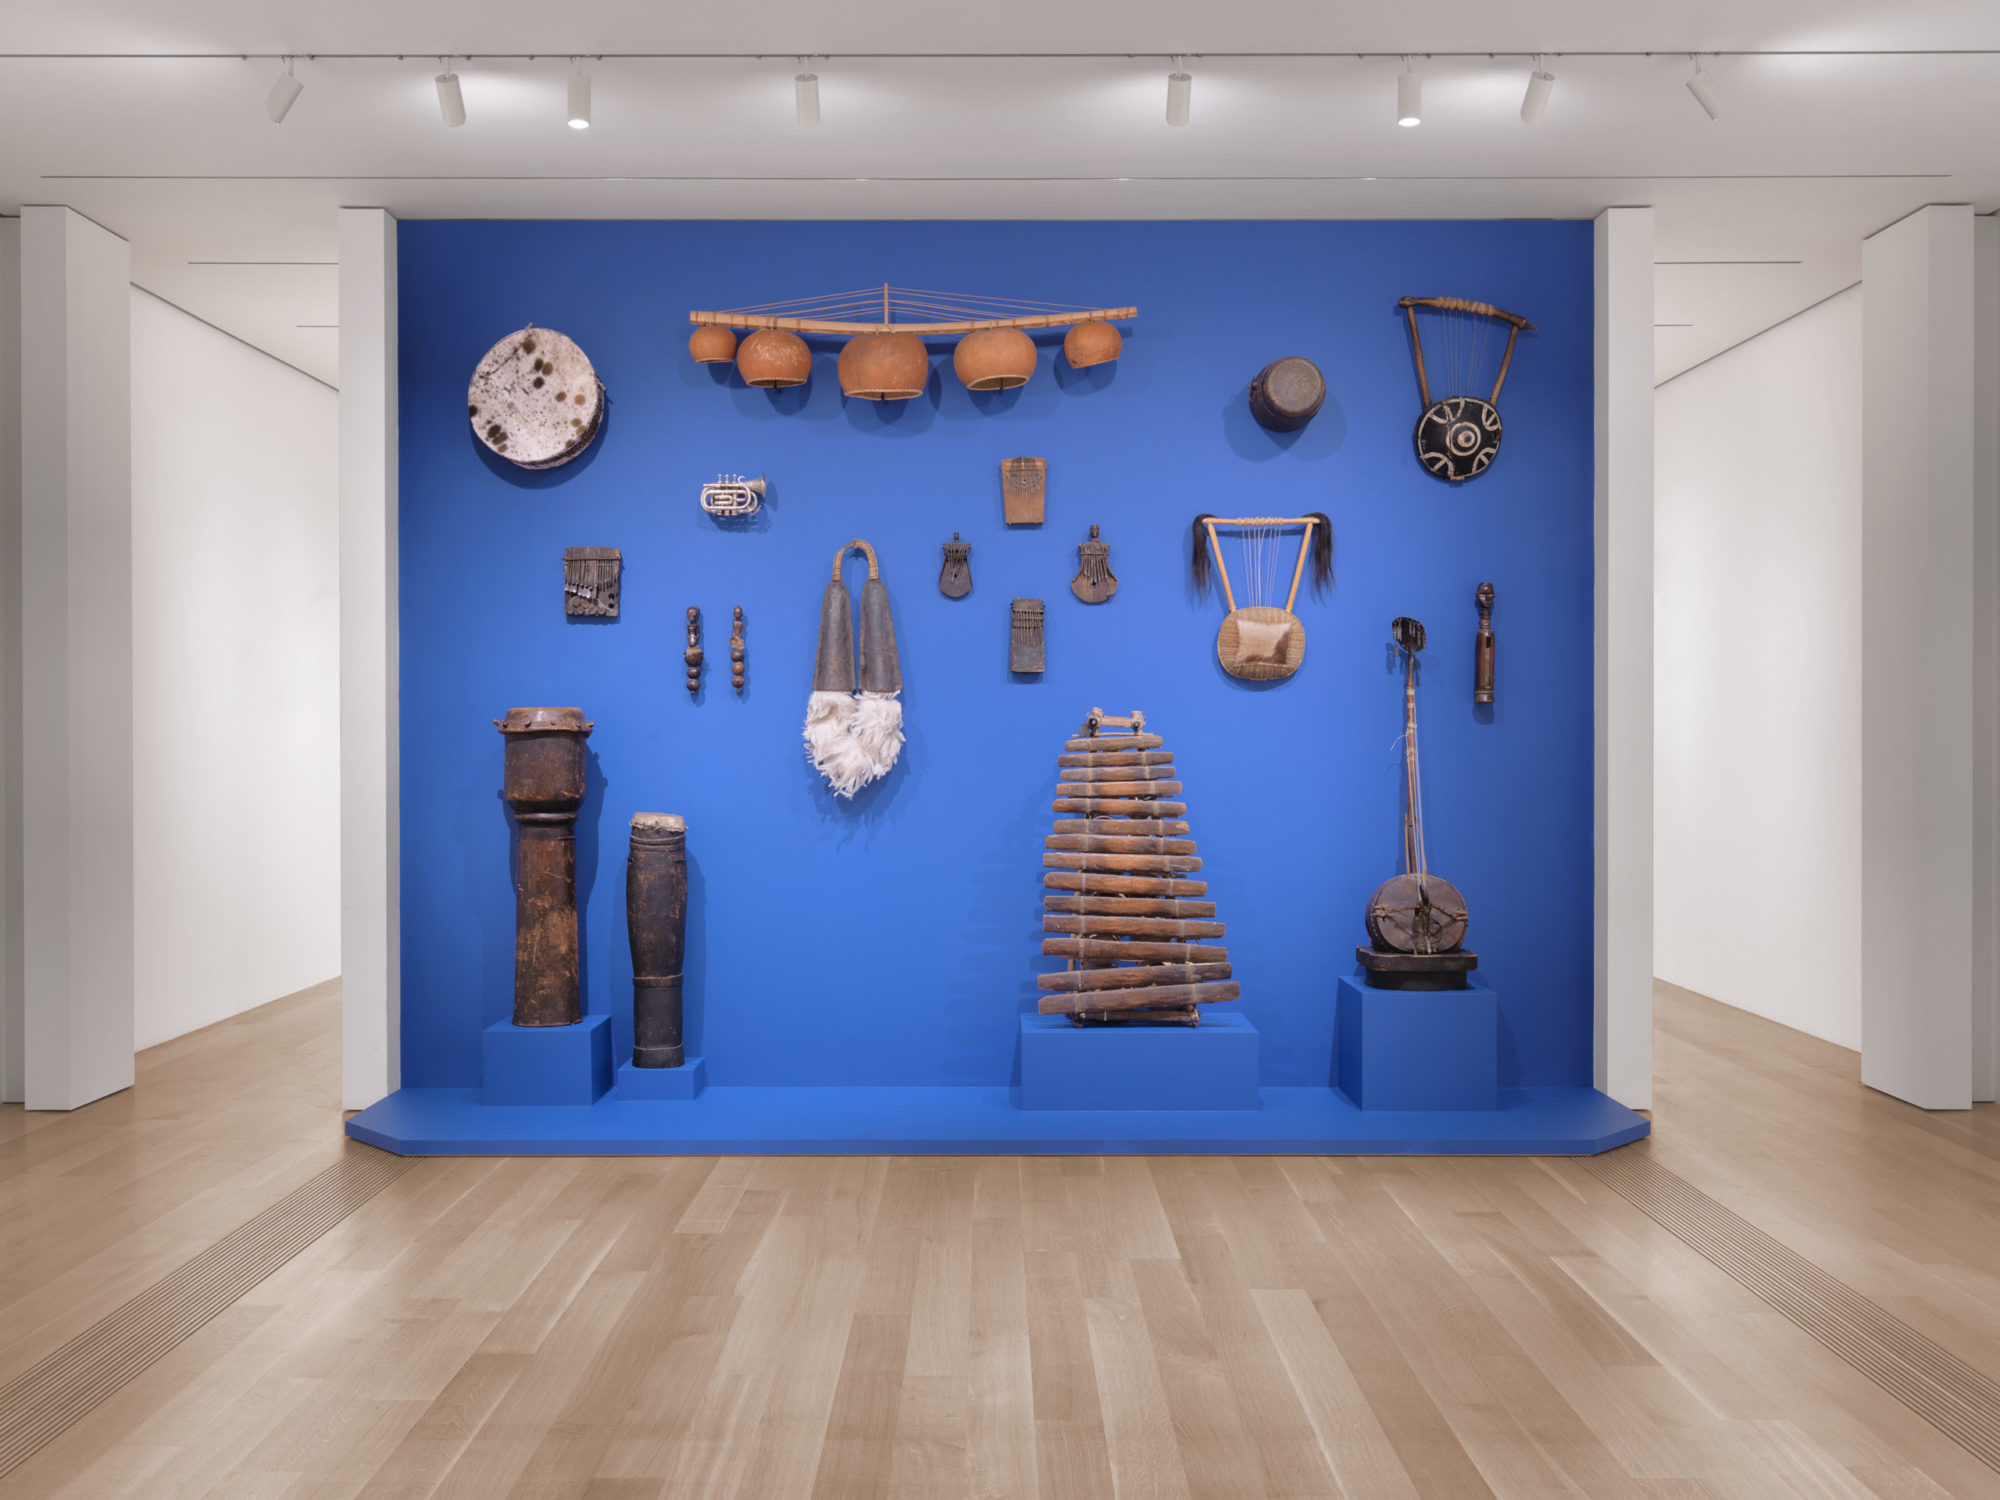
[[1143, 945]]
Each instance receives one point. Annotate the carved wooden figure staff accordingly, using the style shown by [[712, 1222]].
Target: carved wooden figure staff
[[1482, 658], [736, 650], [656, 924], [543, 784], [692, 656]]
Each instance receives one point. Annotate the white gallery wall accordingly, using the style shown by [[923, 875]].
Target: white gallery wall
[[1757, 894], [236, 674]]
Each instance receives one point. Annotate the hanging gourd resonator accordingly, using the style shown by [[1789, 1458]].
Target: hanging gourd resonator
[[1260, 639], [884, 358], [1458, 435]]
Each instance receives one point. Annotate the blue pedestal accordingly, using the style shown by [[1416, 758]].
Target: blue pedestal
[[1418, 1049], [548, 1064], [1210, 1066], [685, 1082]]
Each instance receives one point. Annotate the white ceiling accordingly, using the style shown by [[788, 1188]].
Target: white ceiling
[[1811, 153]]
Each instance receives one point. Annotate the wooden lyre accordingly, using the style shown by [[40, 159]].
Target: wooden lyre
[[1458, 436], [1260, 641]]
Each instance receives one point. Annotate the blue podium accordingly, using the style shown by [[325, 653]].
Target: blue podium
[[1417, 1049], [685, 1082], [1210, 1066], [547, 1064]]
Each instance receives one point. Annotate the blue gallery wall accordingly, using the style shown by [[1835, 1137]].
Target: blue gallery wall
[[894, 939]]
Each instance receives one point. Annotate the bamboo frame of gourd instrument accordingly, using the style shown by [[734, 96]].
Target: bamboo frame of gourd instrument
[[921, 330], [1298, 569]]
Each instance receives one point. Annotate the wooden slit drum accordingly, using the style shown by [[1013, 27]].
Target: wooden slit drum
[[1122, 885], [1124, 864], [1117, 773], [1118, 788], [1107, 843], [1094, 925], [1128, 906], [1154, 997], [1111, 949], [1121, 826], [1073, 981], [1106, 759], [1119, 744], [1138, 807]]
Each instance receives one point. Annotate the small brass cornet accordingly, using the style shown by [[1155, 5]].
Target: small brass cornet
[[733, 495]]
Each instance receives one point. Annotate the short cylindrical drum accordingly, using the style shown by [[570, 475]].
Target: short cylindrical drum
[[544, 784], [1287, 393], [656, 921]]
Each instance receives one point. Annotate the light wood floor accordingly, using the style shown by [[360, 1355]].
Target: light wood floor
[[1001, 1327]]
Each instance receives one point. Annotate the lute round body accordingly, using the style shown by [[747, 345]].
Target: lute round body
[[1458, 437]]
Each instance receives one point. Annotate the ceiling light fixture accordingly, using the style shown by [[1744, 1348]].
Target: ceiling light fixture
[[1180, 91], [579, 97], [284, 94], [1703, 89], [805, 93], [451, 102], [1410, 96], [1540, 83]]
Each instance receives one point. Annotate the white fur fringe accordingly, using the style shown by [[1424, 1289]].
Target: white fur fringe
[[853, 739]]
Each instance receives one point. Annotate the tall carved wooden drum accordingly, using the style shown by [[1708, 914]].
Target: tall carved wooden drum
[[656, 899], [544, 783]]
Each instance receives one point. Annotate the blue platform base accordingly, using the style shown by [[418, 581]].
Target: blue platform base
[[685, 1082], [1417, 1049], [728, 1121], [547, 1064], [1210, 1066]]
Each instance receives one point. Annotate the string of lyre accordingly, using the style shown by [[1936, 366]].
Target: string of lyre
[[1261, 553], [1467, 327]]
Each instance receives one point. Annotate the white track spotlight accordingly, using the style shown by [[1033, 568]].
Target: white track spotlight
[[579, 97], [451, 103], [284, 94], [1180, 92], [1541, 83], [1410, 96], [805, 95], [1703, 89]]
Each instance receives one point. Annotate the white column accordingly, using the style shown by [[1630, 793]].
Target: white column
[[76, 658], [1917, 658], [371, 1063], [1623, 975], [1986, 661], [12, 1086]]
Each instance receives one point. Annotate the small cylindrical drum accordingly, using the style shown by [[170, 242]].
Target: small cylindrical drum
[[1287, 393], [544, 784], [656, 921]]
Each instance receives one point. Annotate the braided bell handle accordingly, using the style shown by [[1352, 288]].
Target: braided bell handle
[[857, 545]]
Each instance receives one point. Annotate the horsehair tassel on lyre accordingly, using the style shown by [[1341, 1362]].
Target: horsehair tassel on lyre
[[1199, 553], [1516, 323]]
